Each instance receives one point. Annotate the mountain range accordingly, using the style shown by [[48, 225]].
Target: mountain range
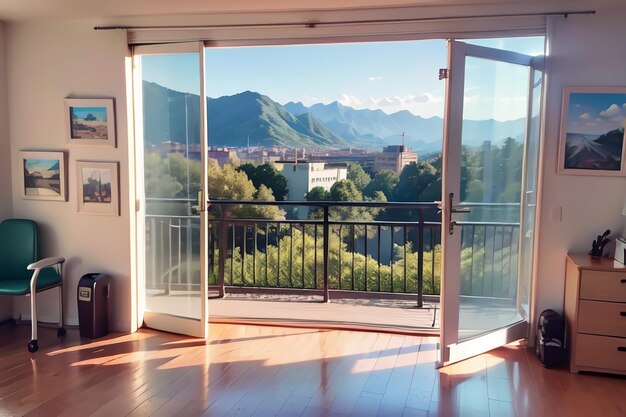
[[250, 118], [593, 151]]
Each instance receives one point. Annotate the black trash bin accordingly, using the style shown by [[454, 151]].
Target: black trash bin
[[93, 305]]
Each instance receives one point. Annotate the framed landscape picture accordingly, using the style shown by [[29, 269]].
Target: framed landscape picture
[[98, 188], [43, 175], [90, 121], [592, 131]]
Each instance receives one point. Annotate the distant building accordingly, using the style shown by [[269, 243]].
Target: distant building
[[223, 156], [303, 176], [394, 158], [363, 157], [171, 147]]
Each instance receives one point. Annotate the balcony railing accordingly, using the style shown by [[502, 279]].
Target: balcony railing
[[322, 255]]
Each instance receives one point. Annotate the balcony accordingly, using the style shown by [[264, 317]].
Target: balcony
[[376, 273]]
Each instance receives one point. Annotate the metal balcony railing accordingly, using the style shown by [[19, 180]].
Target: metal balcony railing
[[320, 255]]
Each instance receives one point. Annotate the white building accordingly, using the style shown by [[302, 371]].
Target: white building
[[303, 176]]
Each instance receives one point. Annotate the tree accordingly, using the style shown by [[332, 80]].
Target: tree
[[157, 179], [345, 190], [187, 172], [268, 175], [228, 183], [384, 181], [358, 175], [261, 211], [317, 194], [414, 179]]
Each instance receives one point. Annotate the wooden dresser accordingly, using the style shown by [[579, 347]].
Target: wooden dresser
[[595, 314]]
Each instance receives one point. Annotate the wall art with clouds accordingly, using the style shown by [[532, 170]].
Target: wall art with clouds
[[592, 131]]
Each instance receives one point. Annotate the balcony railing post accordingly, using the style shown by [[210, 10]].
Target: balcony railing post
[[326, 254], [420, 261], [222, 256]]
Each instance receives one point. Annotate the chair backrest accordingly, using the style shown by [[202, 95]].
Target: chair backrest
[[18, 248]]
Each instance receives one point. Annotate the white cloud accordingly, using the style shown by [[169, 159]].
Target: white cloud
[[350, 101], [390, 101], [424, 104], [375, 78], [612, 111], [308, 100], [422, 98], [586, 116]]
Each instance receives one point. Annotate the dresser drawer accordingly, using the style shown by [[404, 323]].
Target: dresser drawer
[[602, 318], [601, 352], [603, 286]]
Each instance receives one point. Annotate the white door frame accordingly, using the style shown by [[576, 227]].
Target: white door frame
[[197, 327], [451, 349]]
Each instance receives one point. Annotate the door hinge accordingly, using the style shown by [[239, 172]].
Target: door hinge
[[443, 73], [137, 204]]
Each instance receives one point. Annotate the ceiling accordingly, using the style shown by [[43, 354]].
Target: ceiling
[[20, 10]]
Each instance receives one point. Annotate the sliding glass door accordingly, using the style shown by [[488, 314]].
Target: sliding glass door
[[489, 183], [171, 133]]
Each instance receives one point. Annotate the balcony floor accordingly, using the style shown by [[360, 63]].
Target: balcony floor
[[383, 313], [477, 314]]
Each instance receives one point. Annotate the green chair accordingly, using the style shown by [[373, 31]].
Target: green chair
[[21, 273]]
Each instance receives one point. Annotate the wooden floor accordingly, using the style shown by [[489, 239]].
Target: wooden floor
[[270, 371]]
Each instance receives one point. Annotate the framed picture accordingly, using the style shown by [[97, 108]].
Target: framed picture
[[90, 121], [98, 188], [592, 131], [43, 175]]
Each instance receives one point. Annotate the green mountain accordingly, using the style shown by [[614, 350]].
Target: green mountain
[[170, 115], [423, 134], [249, 117], [232, 121]]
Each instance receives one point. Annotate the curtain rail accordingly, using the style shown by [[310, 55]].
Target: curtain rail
[[314, 24]]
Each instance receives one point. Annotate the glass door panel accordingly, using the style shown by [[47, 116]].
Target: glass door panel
[[171, 124], [528, 207], [490, 189], [485, 182]]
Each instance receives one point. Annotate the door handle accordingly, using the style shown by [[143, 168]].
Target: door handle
[[461, 209], [200, 201], [454, 209]]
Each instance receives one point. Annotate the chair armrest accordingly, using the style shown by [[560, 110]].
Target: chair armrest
[[44, 263]]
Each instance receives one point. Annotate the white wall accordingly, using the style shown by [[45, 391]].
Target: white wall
[[586, 51], [6, 208], [45, 63]]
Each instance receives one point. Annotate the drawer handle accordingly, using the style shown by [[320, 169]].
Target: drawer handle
[[623, 280], [621, 348], [622, 313]]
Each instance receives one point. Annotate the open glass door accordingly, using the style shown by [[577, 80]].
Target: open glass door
[[171, 154], [488, 208]]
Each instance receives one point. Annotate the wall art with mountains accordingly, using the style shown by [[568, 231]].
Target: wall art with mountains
[[250, 118], [594, 152]]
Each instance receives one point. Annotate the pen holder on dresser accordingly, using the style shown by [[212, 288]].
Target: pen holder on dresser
[[597, 247]]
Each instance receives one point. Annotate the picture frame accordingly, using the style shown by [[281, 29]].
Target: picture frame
[[591, 139], [90, 121], [98, 188], [43, 175]]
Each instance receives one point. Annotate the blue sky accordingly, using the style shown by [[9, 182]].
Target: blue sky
[[390, 76], [595, 113], [99, 113]]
